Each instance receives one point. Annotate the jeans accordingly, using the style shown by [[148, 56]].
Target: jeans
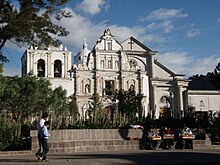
[[45, 146]]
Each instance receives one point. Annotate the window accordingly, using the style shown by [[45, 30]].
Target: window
[[132, 88], [102, 64], [41, 68], [109, 87], [116, 64], [131, 84], [109, 45], [109, 64]]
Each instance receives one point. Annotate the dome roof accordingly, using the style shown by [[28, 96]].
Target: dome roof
[[82, 55], [84, 51]]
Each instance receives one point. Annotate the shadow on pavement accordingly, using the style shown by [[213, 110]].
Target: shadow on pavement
[[162, 157], [153, 158]]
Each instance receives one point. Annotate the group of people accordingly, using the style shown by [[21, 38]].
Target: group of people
[[167, 137], [149, 139], [43, 136]]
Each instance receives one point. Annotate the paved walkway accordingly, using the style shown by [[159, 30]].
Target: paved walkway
[[158, 157]]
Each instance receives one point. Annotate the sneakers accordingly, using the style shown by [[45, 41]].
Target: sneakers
[[38, 156], [44, 159]]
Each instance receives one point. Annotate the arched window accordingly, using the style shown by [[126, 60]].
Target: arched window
[[40, 68], [109, 45], [116, 64], [86, 86], [132, 88], [109, 64], [102, 64], [57, 68], [131, 84]]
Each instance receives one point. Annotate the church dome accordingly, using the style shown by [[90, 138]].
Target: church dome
[[82, 55]]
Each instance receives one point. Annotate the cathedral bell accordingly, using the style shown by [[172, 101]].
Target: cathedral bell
[[40, 69], [56, 70]]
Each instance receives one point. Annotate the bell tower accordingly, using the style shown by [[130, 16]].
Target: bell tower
[[50, 62]]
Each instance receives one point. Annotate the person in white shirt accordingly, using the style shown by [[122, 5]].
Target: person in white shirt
[[44, 135], [41, 122]]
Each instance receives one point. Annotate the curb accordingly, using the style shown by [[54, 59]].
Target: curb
[[14, 153]]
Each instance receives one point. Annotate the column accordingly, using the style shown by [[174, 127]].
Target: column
[[65, 65], [152, 101], [180, 101], [29, 67], [49, 65], [77, 85], [97, 85], [46, 64]]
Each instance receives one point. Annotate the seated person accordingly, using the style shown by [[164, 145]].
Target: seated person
[[167, 143], [151, 141], [147, 139], [185, 132]]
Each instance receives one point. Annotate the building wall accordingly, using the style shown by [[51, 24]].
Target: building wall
[[203, 100]]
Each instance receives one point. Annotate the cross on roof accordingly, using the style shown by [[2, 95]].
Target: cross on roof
[[130, 43]]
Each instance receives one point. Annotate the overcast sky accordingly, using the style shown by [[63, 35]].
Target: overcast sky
[[186, 33]]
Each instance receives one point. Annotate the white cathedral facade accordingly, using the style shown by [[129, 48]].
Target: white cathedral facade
[[110, 66]]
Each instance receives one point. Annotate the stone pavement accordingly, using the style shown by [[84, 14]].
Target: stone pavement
[[151, 157]]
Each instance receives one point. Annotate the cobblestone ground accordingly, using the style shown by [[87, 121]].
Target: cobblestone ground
[[158, 157]]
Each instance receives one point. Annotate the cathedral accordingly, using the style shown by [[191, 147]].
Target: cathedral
[[110, 66]]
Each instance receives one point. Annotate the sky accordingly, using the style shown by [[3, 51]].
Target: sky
[[186, 33]]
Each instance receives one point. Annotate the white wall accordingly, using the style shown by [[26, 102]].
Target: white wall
[[204, 100]]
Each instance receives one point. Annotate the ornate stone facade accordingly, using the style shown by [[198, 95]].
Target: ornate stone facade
[[130, 64], [110, 66]]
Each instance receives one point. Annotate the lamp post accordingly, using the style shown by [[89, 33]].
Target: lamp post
[[172, 103]]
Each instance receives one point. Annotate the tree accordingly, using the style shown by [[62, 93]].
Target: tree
[[129, 105], [215, 77], [73, 110], [30, 22], [21, 99], [58, 107], [96, 110], [25, 96]]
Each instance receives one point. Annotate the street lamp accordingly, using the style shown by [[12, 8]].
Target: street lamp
[[172, 103]]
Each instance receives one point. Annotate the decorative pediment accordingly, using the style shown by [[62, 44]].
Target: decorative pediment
[[131, 44], [107, 42]]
